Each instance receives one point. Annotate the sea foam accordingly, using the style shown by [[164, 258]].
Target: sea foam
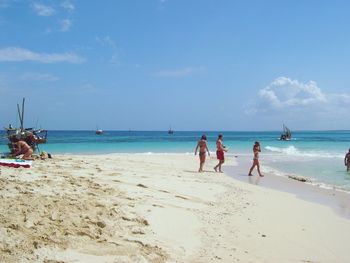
[[294, 151]]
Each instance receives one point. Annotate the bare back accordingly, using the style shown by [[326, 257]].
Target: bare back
[[202, 144], [23, 146]]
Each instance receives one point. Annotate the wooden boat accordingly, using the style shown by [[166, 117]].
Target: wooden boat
[[30, 135]]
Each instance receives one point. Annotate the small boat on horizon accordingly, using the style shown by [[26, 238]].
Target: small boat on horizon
[[99, 132], [170, 131], [286, 135]]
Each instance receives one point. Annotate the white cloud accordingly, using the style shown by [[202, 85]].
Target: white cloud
[[43, 10], [31, 76], [65, 25], [68, 6], [285, 92], [14, 54], [178, 72], [302, 103]]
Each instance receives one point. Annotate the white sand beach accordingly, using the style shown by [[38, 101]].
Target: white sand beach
[[157, 208]]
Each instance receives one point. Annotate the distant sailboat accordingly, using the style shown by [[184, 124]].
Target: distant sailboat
[[170, 131], [286, 134], [98, 131]]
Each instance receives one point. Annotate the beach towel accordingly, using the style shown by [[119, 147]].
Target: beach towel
[[16, 163]]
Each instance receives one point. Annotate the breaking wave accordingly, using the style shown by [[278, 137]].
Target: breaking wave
[[293, 151]]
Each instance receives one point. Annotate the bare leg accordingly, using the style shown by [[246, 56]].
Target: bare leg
[[221, 163], [251, 169], [259, 170], [28, 155], [216, 167], [201, 167], [201, 163]]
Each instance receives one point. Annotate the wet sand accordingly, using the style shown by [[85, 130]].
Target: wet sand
[[338, 200]]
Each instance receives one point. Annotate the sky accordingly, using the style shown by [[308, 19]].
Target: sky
[[192, 65]]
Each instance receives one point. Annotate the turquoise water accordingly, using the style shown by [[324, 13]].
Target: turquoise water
[[317, 155]]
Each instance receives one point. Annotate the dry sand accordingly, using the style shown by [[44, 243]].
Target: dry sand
[[157, 208]]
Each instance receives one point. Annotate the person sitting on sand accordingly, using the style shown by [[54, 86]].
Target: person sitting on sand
[[220, 149], [347, 161], [23, 148], [203, 148], [256, 150]]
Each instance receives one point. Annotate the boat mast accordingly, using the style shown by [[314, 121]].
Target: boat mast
[[21, 114], [22, 124]]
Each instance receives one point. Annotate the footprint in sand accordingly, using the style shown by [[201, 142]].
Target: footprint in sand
[[155, 205], [182, 197]]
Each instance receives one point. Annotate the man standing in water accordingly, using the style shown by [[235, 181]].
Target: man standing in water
[[256, 150], [203, 148], [220, 149], [347, 161]]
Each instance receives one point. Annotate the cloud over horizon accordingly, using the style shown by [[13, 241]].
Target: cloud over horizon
[[285, 92], [15, 54], [292, 100]]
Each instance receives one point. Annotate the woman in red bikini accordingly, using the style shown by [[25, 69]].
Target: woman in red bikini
[[23, 148], [220, 149], [203, 148]]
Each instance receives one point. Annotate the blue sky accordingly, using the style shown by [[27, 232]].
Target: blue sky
[[194, 65]]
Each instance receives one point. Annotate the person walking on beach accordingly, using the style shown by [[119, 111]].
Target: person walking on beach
[[347, 161], [220, 155], [256, 151], [23, 148], [203, 149]]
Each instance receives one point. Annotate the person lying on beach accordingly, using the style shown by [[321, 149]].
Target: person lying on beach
[[23, 148], [203, 148], [256, 150], [347, 161], [220, 149]]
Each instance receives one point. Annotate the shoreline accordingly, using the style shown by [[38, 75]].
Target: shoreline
[[335, 198]]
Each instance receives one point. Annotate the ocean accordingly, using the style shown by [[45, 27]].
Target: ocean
[[317, 155]]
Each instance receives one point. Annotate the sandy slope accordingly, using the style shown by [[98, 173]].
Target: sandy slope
[[157, 208]]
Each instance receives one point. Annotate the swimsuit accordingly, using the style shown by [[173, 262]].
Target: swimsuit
[[201, 154], [220, 155]]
